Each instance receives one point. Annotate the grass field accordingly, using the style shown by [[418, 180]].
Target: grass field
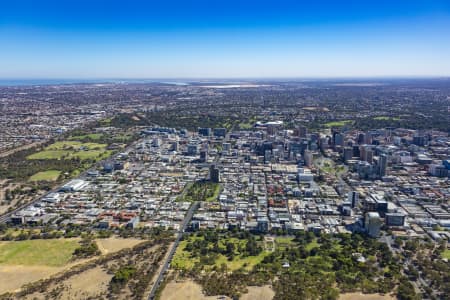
[[50, 175], [72, 149], [385, 118], [53, 253], [245, 126], [283, 242], [313, 244], [338, 123], [446, 254], [92, 136], [215, 195]]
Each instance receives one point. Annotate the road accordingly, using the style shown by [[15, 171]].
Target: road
[[169, 257], [5, 217], [180, 233]]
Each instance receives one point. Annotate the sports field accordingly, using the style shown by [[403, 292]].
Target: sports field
[[338, 123], [50, 175], [52, 253], [72, 149]]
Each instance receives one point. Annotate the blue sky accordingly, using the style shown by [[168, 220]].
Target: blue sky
[[180, 39]]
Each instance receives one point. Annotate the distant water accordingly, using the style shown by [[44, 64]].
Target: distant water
[[21, 82], [25, 82]]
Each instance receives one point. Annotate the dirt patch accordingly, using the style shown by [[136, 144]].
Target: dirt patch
[[110, 245], [187, 290], [20, 275], [92, 278], [87, 284], [259, 292], [358, 296]]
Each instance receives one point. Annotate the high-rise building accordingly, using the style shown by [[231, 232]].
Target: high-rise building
[[353, 198], [372, 224], [419, 140], [301, 131], [369, 156], [220, 132], [192, 149], [382, 165], [395, 219], [347, 153], [308, 156], [214, 174], [368, 138], [203, 156], [204, 131], [338, 139]]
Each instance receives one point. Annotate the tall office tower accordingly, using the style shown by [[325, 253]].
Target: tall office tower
[[204, 156], [372, 224], [419, 140], [192, 149], [302, 131], [338, 139], [356, 151], [360, 138], [214, 174], [347, 153], [308, 158], [382, 165], [369, 156], [368, 138], [353, 198]]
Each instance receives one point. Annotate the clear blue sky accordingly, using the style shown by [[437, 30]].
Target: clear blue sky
[[179, 39]]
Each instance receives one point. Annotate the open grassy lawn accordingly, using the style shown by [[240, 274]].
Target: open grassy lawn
[[238, 261], [245, 125], [54, 253], [313, 244], [182, 259], [72, 149], [215, 195], [50, 175], [92, 136], [282, 242], [338, 123], [446, 254], [385, 118]]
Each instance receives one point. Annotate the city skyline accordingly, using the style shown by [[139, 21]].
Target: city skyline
[[218, 40]]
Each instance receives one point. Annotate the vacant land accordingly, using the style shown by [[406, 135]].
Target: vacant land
[[357, 296], [189, 289], [113, 244], [101, 277], [72, 149], [27, 261], [50, 175]]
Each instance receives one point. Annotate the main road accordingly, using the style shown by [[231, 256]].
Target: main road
[[169, 257]]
